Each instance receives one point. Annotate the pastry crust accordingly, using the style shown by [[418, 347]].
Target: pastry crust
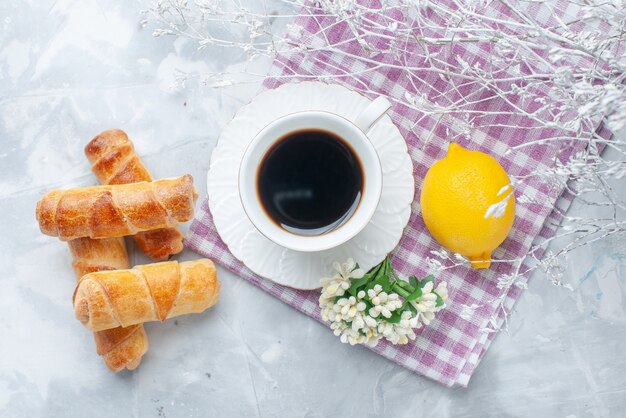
[[90, 255], [152, 292], [120, 348], [117, 210], [114, 161]]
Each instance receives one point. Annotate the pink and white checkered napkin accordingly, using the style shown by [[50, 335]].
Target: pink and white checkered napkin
[[450, 349]]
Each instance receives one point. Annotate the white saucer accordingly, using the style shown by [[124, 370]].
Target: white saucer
[[292, 268]]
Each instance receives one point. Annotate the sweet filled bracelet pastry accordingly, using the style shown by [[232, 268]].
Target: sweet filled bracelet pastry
[[119, 347], [114, 161], [152, 292], [116, 210]]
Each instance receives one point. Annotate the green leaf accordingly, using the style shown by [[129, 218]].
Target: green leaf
[[356, 285], [401, 290], [404, 285], [387, 285], [375, 271], [429, 278], [414, 295], [394, 273], [383, 281], [380, 276], [391, 276], [411, 308], [407, 306], [359, 284], [395, 317], [384, 275]]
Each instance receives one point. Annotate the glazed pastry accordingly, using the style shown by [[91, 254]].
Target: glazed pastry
[[119, 347], [114, 161], [152, 292], [117, 210]]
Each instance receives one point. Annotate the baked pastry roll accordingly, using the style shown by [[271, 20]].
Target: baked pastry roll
[[152, 292], [119, 347], [116, 210], [114, 161]]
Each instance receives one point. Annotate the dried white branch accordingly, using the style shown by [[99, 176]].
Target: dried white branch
[[560, 80]]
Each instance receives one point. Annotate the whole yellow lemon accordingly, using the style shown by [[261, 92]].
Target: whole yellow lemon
[[468, 203]]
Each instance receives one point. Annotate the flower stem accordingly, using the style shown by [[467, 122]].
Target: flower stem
[[399, 290], [405, 286]]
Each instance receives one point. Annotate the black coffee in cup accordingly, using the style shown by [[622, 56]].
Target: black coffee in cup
[[310, 182]]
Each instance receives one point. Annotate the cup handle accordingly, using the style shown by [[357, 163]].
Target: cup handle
[[372, 113]]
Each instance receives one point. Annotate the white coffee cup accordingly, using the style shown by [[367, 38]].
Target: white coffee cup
[[354, 133]]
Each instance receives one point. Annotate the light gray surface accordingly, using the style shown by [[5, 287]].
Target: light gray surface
[[70, 69]]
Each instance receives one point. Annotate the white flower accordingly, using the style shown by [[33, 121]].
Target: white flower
[[347, 270], [442, 290], [410, 321], [427, 316], [400, 333], [383, 303], [332, 287], [369, 321], [363, 319], [340, 282], [426, 304], [428, 287]]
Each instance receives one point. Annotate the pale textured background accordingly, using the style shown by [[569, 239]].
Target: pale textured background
[[68, 70]]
